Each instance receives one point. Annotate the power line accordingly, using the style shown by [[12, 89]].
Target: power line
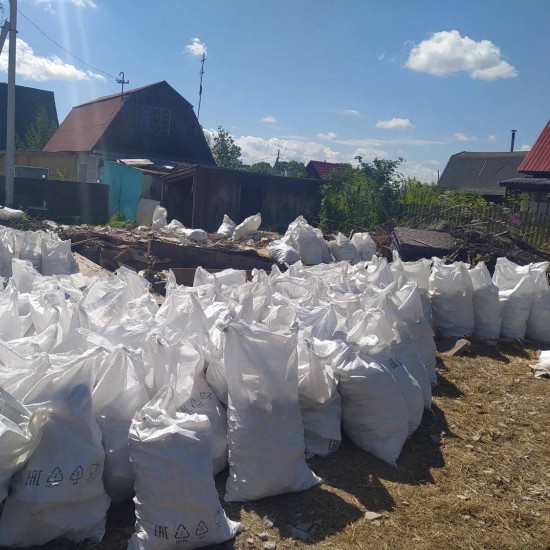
[[65, 50]]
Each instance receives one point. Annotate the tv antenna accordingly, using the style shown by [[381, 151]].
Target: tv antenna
[[121, 81], [203, 59]]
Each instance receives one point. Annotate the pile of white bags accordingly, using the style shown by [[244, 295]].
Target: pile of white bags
[[227, 228], [486, 303], [247, 227]]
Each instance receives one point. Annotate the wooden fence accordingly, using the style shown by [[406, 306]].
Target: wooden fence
[[532, 228], [63, 201]]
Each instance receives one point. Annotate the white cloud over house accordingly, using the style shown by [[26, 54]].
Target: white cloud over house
[[269, 120], [350, 112], [31, 66], [460, 136], [394, 123], [326, 137], [49, 5], [196, 47], [448, 52]]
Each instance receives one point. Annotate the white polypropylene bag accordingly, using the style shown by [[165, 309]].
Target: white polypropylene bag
[[282, 252], [59, 491], [247, 227], [515, 289], [365, 245], [265, 433], [10, 214], [177, 505], [320, 402], [374, 413], [20, 433], [451, 297], [305, 240], [119, 392], [342, 249], [486, 303], [227, 227], [538, 323], [159, 217], [57, 258], [226, 277]]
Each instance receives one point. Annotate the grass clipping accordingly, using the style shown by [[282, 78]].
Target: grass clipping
[[475, 475]]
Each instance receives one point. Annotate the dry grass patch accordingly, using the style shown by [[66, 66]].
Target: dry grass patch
[[476, 475]]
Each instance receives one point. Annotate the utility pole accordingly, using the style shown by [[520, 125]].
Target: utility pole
[[10, 133]]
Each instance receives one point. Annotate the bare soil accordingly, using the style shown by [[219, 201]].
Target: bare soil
[[476, 475]]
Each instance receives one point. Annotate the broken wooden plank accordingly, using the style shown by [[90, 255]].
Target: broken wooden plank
[[89, 268]]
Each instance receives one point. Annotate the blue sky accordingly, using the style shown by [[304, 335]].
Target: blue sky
[[315, 79]]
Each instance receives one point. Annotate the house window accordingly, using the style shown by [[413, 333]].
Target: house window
[[156, 120]]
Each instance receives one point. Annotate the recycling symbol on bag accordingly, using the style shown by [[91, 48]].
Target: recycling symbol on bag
[[55, 477], [93, 471], [196, 404], [77, 475], [218, 519], [181, 533], [206, 394], [202, 529]]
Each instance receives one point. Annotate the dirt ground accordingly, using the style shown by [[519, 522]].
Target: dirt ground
[[476, 475]]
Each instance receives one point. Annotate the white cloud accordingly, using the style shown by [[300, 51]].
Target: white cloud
[[381, 56], [394, 123], [525, 148], [350, 112], [326, 137], [448, 52], [49, 5], [460, 136], [35, 67], [418, 170], [369, 142], [196, 47], [269, 120], [491, 137]]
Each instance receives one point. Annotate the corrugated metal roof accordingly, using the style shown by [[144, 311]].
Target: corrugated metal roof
[[321, 169], [481, 171], [538, 159], [84, 126]]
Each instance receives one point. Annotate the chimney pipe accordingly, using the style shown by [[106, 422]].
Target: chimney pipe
[[513, 141]]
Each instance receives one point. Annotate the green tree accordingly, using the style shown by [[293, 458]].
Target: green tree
[[262, 168], [413, 191], [38, 133], [291, 168], [226, 152]]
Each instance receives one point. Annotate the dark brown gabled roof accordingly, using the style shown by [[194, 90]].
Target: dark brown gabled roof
[[481, 171], [86, 123], [538, 159], [320, 169]]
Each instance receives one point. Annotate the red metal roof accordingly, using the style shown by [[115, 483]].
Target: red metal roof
[[321, 169], [538, 158], [84, 126]]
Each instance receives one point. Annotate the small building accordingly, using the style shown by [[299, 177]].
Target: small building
[[320, 170], [130, 181], [28, 101], [481, 172], [534, 175], [199, 196], [152, 122]]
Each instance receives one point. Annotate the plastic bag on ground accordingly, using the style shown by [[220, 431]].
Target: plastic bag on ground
[[515, 290], [10, 214], [20, 433], [262, 378], [320, 402], [159, 217], [59, 491], [365, 246], [486, 303], [451, 297], [177, 505], [226, 277], [342, 249], [374, 413], [57, 258], [538, 323], [119, 392], [227, 227], [542, 367], [305, 240], [247, 228], [282, 252]]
